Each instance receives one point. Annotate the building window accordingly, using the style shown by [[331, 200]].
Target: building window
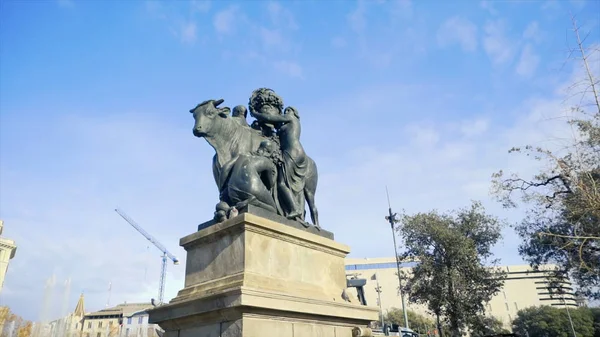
[[99, 334], [516, 307], [89, 325], [503, 293], [127, 332], [100, 324], [76, 325], [506, 304], [140, 319], [128, 320]]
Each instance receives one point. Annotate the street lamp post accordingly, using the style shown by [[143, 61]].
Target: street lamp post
[[378, 290], [569, 315], [392, 219]]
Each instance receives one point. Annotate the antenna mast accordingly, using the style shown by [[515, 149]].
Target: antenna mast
[[393, 220]]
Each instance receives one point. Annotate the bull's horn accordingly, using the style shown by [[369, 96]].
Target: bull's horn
[[218, 102]]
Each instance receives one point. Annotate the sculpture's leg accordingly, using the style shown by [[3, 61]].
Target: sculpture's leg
[[256, 202], [314, 213], [288, 202]]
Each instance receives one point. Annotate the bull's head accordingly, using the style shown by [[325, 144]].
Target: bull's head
[[205, 114]]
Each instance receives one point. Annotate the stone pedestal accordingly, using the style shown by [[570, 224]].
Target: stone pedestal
[[254, 277]]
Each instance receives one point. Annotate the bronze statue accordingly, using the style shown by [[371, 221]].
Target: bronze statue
[[263, 164]]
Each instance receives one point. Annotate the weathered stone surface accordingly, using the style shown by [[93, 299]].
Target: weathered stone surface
[[277, 218], [251, 276]]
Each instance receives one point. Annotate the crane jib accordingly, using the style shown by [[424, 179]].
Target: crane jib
[[166, 253]]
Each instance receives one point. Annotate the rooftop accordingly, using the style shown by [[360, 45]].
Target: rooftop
[[124, 309]]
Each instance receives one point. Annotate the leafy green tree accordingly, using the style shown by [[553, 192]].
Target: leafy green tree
[[419, 323], [486, 325], [453, 276], [563, 217], [549, 321], [596, 316]]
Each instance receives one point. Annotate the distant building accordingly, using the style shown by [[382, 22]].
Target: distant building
[[8, 248], [71, 325], [135, 324], [523, 288], [124, 320]]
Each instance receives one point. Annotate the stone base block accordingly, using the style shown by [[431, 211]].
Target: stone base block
[[254, 277]]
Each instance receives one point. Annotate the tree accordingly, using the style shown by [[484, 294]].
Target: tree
[[452, 278], [549, 321], [418, 323], [25, 330], [563, 219], [486, 325], [7, 317], [596, 316]]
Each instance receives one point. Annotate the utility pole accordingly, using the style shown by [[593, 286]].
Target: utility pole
[[569, 315], [378, 290], [392, 219], [439, 324]]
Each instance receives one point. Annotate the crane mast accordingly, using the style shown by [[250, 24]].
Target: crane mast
[[166, 255]]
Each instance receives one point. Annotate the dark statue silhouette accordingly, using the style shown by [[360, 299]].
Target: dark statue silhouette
[[261, 164]]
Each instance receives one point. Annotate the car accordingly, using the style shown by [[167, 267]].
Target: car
[[396, 330]]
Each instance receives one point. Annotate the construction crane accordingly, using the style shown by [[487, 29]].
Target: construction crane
[[166, 254]]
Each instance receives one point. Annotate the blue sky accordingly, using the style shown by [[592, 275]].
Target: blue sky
[[425, 97]]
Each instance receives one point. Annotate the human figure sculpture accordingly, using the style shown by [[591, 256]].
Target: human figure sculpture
[[263, 164], [291, 177], [240, 113]]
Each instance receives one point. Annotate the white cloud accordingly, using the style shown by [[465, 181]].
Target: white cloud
[[551, 6], [357, 20], [281, 16], [497, 45], [579, 4], [423, 136], [528, 62], [458, 30], [291, 69], [66, 3], [224, 21], [187, 33], [338, 42], [201, 6], [487, 5], [474, 128], [271, 40], [532, 32]]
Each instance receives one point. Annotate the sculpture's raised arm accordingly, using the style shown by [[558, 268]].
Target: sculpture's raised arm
[[269, 118]]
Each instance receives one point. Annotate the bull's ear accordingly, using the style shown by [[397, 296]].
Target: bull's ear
[[218, 102], [224, 112]]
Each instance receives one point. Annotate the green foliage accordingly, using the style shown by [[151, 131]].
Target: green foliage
[[596, 316], [419, 323], [485, 325], [562, 225], [549, 321], [452, 278]]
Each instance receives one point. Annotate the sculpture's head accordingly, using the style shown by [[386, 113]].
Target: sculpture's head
[[265, 100], [239, 111], [293, 111], [206, 114], [266, 148]]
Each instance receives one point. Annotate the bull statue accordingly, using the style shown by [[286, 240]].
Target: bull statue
[[264, 164]]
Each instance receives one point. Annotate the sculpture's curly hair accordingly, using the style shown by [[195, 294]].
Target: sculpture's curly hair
[[264, 96]]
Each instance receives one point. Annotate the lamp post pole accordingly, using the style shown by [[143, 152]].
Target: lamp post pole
[[392, 219], [378, 290]]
